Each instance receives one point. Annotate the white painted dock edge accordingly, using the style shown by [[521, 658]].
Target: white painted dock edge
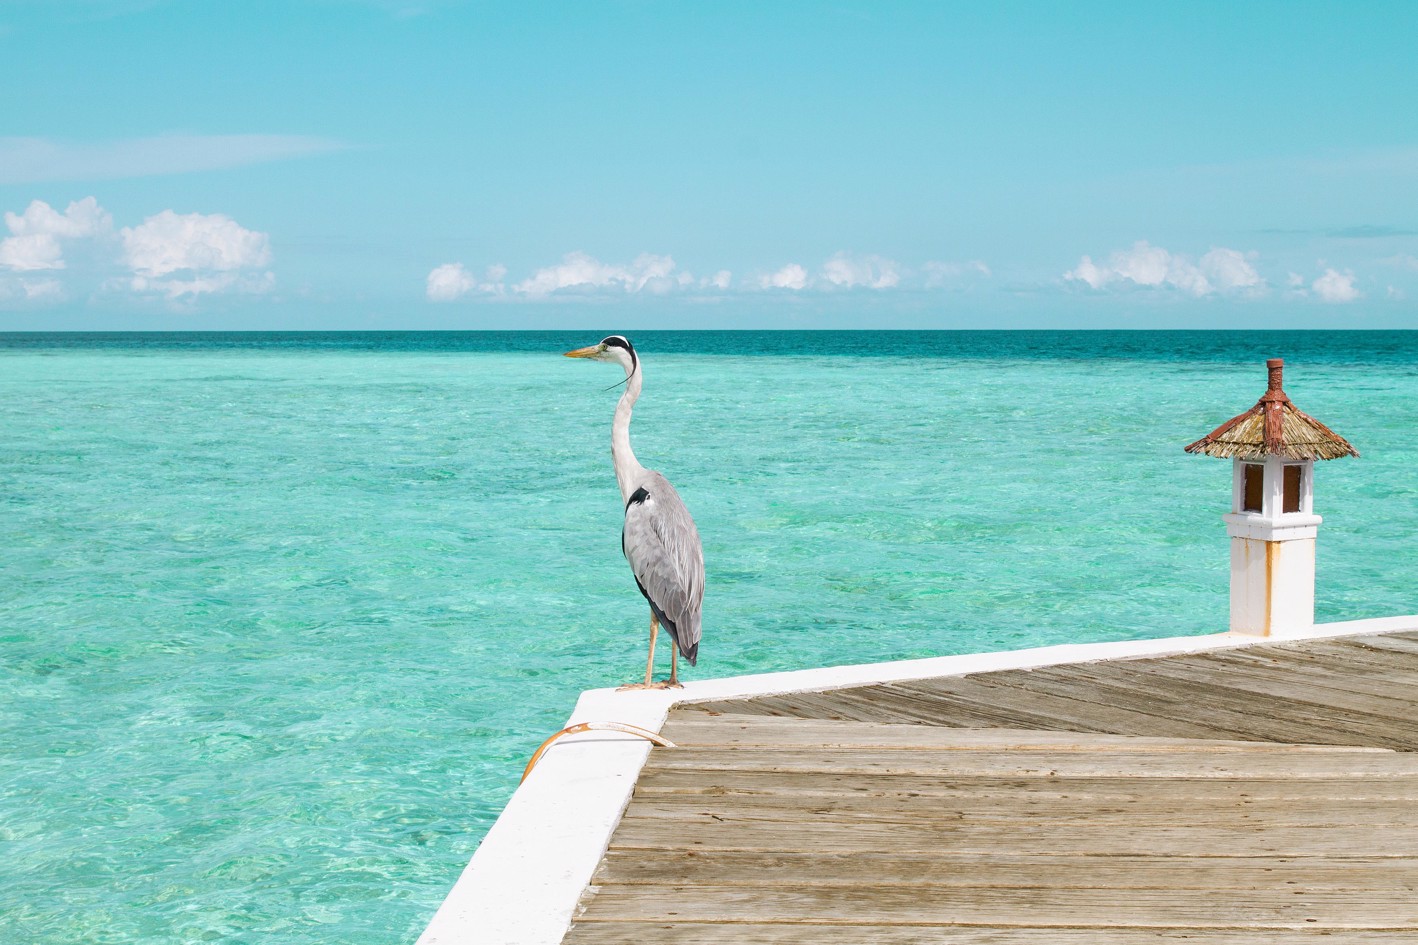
[[524, 880]]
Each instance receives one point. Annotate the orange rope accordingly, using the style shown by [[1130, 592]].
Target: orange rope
[[624, 727]]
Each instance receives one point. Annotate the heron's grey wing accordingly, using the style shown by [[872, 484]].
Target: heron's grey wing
[[662, 546]]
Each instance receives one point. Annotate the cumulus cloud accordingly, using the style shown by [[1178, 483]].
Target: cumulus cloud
[[1229, 270], [1220, 270], [791, 276], [448, 282], [452, 281], [31, 251], [168, 242], [1335, 286], [581, 272], [193, 254], [175, 255], [849, 271], [34, 243]]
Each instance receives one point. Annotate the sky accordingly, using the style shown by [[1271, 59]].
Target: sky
[[397, 164]]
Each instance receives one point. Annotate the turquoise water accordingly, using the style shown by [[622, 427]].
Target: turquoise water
[[282, 616]]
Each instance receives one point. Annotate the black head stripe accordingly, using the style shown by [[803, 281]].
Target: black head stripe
[[620, 341]]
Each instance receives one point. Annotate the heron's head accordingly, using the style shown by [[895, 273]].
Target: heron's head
[[615, 349]]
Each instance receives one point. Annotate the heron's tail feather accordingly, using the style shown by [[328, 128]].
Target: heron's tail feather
[[690, 652]]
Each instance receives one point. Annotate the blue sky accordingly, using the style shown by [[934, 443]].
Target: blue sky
[[345, 164]]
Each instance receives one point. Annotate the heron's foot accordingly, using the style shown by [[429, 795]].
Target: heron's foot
[[662, 684]]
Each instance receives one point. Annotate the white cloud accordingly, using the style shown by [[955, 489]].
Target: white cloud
[[211, 252], [791, 276], [448, 282], [34, 160], [1336, 286], [451, 281], [176, 255], [1230, 270], [1221, 269], [849, 272], [31, 251], [168, 242], [1396, 294], [36, 233], [581, 272]]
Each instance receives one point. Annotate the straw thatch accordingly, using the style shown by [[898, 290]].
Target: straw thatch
[[1273, 427]]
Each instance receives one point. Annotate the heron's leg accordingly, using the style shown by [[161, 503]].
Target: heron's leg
[[674, 668], [649, 663], [654, 632]]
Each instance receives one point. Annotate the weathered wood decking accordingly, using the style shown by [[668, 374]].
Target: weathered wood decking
[[1264, 795]]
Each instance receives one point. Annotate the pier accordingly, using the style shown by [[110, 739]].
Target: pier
[[1217, 789], [1241, 796]]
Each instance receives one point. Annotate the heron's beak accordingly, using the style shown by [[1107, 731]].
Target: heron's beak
[[589, 352]]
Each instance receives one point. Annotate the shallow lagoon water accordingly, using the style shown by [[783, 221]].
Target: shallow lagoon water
[[282, 616]]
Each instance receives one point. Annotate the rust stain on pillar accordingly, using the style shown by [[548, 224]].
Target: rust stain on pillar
[[1270, 548]]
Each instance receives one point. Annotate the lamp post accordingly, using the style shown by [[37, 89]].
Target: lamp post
[[1272, 524]]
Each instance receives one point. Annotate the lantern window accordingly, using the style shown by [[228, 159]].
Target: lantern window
[[1254, 492], [1292, 488]]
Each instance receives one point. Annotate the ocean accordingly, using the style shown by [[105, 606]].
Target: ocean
[[282, 615]]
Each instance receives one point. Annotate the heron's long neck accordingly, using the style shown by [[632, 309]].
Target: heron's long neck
[[627, 468]]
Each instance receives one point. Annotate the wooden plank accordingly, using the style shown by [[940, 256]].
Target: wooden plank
[[775, 706], [1319, 696], [945, 711], [1354, 656], [1108, 690], [1228, 711], [1078, 709], [1302, 677], [966, 763], [1323, 909], [741, 933], [749, 732], [1351, 660], [755, 782], [1392, 642], [1376, 680], [1392, 876], [1141, 811], [655, 833]]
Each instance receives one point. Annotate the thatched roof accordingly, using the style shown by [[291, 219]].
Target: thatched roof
[[1273, 427]]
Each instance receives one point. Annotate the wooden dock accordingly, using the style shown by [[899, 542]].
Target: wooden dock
[[1262, 795]]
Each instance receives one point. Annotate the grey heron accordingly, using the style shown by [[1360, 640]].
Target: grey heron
[[659, 538]]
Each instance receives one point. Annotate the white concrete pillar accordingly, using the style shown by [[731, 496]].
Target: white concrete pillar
[[1273, 530]]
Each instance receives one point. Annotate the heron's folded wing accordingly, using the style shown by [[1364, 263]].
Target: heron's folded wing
[[662, 546]]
